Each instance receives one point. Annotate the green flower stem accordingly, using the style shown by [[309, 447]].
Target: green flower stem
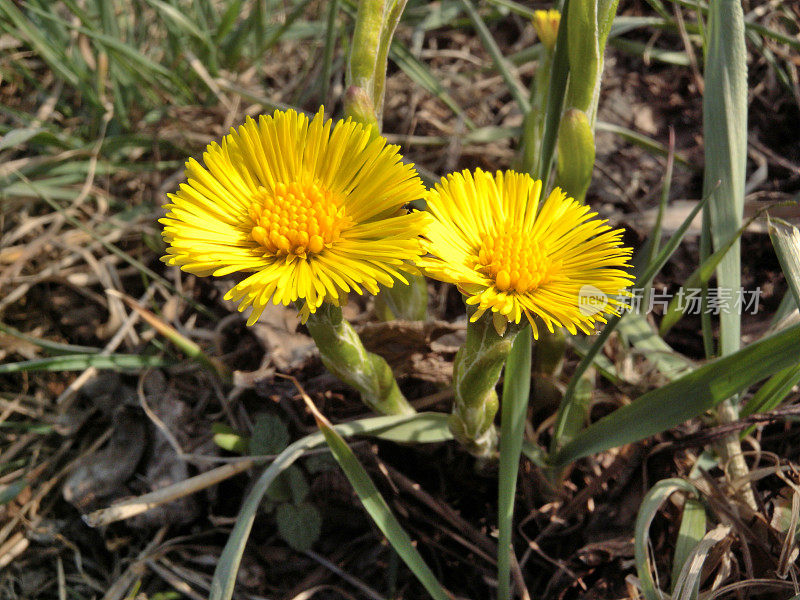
[[359, 107], [376, 22], [344, 355], [533, 125], [366, 40], [576, 153], [393, 14], [476, 371], [588, 25]]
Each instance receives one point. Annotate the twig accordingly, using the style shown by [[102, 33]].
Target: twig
[[136, 506]]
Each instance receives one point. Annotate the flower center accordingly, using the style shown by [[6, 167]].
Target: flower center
[[298, 218], [515, 261]]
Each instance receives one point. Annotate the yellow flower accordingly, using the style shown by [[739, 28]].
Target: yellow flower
[[492, 240], [546, 23], [311, 209]]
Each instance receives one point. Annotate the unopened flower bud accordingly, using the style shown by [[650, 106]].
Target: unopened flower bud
[[546, 23]]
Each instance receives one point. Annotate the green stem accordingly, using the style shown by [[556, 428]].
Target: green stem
[[533, 126], [476, 371], [516, 391], [344, 355], [372, 38], [393, 15], [366, 39]]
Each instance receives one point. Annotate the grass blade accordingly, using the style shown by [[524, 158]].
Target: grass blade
[[692, 530], [17, 137], [725, 135], [700, 277], [654, 267], [688, 583], [376, 506], [651, 503], [687, 397], [786, 240], [331, 30], [184, 344], [502, 65], [225, 574], [47, 345], [772, 393], [516, 389], [79, 362], [53, 56], [641, 140], [422, 76], [636, 330]]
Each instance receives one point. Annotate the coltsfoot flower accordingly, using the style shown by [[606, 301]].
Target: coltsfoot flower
[[311, 209], [546, 23], [506, 254]]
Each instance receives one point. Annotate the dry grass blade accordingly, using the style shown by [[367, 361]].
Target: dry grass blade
[[190, 348], [136, 506], [786, 240], [685, 587]]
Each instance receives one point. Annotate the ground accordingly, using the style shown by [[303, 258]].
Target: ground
[[77, 440]]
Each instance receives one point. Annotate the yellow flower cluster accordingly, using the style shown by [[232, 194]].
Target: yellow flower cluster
[[312, 210]]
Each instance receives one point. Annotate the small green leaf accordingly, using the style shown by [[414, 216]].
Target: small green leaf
[[298, 486], [12, 490], [279, 491], [289, 486], [299, 525], [319, 463], [227, 438], [270, 435]]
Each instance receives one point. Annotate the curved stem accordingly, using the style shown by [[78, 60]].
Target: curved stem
[[476, 371], [344, 355]]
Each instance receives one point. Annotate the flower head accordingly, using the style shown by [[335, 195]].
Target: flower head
[[311, 209], [546, 23], [557, 262]]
